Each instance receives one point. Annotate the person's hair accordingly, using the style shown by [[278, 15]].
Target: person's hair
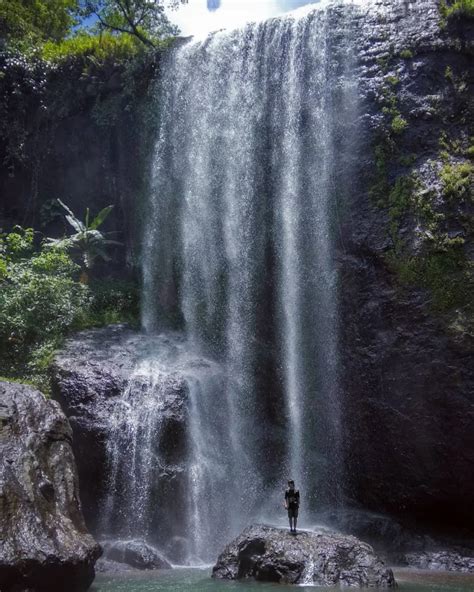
[[291, 482]]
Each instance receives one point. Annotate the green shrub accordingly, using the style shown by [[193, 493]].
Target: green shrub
[[97, 48], [444, 274], [457, 180], [457, 9], [406, 54], [112, 301], [393, 80], [399, 124], [42, 300]]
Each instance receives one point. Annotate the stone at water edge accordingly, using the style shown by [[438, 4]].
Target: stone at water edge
[[136, 554], [270, 554], [44, 544], [446, 560]]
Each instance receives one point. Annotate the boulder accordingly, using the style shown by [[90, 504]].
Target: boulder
[[44, 544], [265, 553], [135, 554]]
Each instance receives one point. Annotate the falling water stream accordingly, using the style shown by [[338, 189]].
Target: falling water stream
[[250, 168]]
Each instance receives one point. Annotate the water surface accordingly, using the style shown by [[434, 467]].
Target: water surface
[[199, 580]]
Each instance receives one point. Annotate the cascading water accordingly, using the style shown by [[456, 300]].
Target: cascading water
[[251, 165]]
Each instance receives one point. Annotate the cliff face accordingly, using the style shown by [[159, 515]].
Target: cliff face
[[80, 131], [406, 269]]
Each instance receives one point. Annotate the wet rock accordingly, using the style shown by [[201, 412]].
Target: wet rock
[[136, 554], [441, 560], [126, 391], [271, 554], [44, 544], [407, 374], [88, 376]]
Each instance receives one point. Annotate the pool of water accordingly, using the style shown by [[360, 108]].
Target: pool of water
[[199, 580]]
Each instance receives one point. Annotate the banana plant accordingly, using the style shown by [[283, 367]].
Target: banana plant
[[87, 242]]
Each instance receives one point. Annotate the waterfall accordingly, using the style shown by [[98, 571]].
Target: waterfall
[[252, 163]]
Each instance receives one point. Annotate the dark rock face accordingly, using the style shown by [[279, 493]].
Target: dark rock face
[[66, 134], [408, 377], [271, 554], [86, 378], [90, 375], [44, 544], [135, 554]]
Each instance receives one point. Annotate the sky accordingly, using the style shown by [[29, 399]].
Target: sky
[[199, 17]]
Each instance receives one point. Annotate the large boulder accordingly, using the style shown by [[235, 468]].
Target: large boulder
[[270, 554], [44, 544], [135, 554]]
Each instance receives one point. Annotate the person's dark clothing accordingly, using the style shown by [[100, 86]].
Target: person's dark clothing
[[292, 498]]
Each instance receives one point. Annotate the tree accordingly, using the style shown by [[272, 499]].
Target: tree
[[36, 21], [144, 19], [88, 243]]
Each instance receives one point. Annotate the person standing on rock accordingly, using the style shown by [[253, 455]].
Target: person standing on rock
[[292, 504]]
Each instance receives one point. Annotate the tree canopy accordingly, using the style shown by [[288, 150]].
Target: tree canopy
[[26, 24], [36, 21], [144, 19]]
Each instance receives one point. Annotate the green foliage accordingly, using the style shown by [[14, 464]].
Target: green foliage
[[87, 243], [144, 20], [457, 180], [445, 274], [399, 124], [434, 259], [25, 23], [100, 49], [112, 301], [42, 299], [393, 80], [457, 9]]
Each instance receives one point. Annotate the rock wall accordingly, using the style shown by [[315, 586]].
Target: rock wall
[[80, 131], [44, 543], [406, 285], [89, 378]]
